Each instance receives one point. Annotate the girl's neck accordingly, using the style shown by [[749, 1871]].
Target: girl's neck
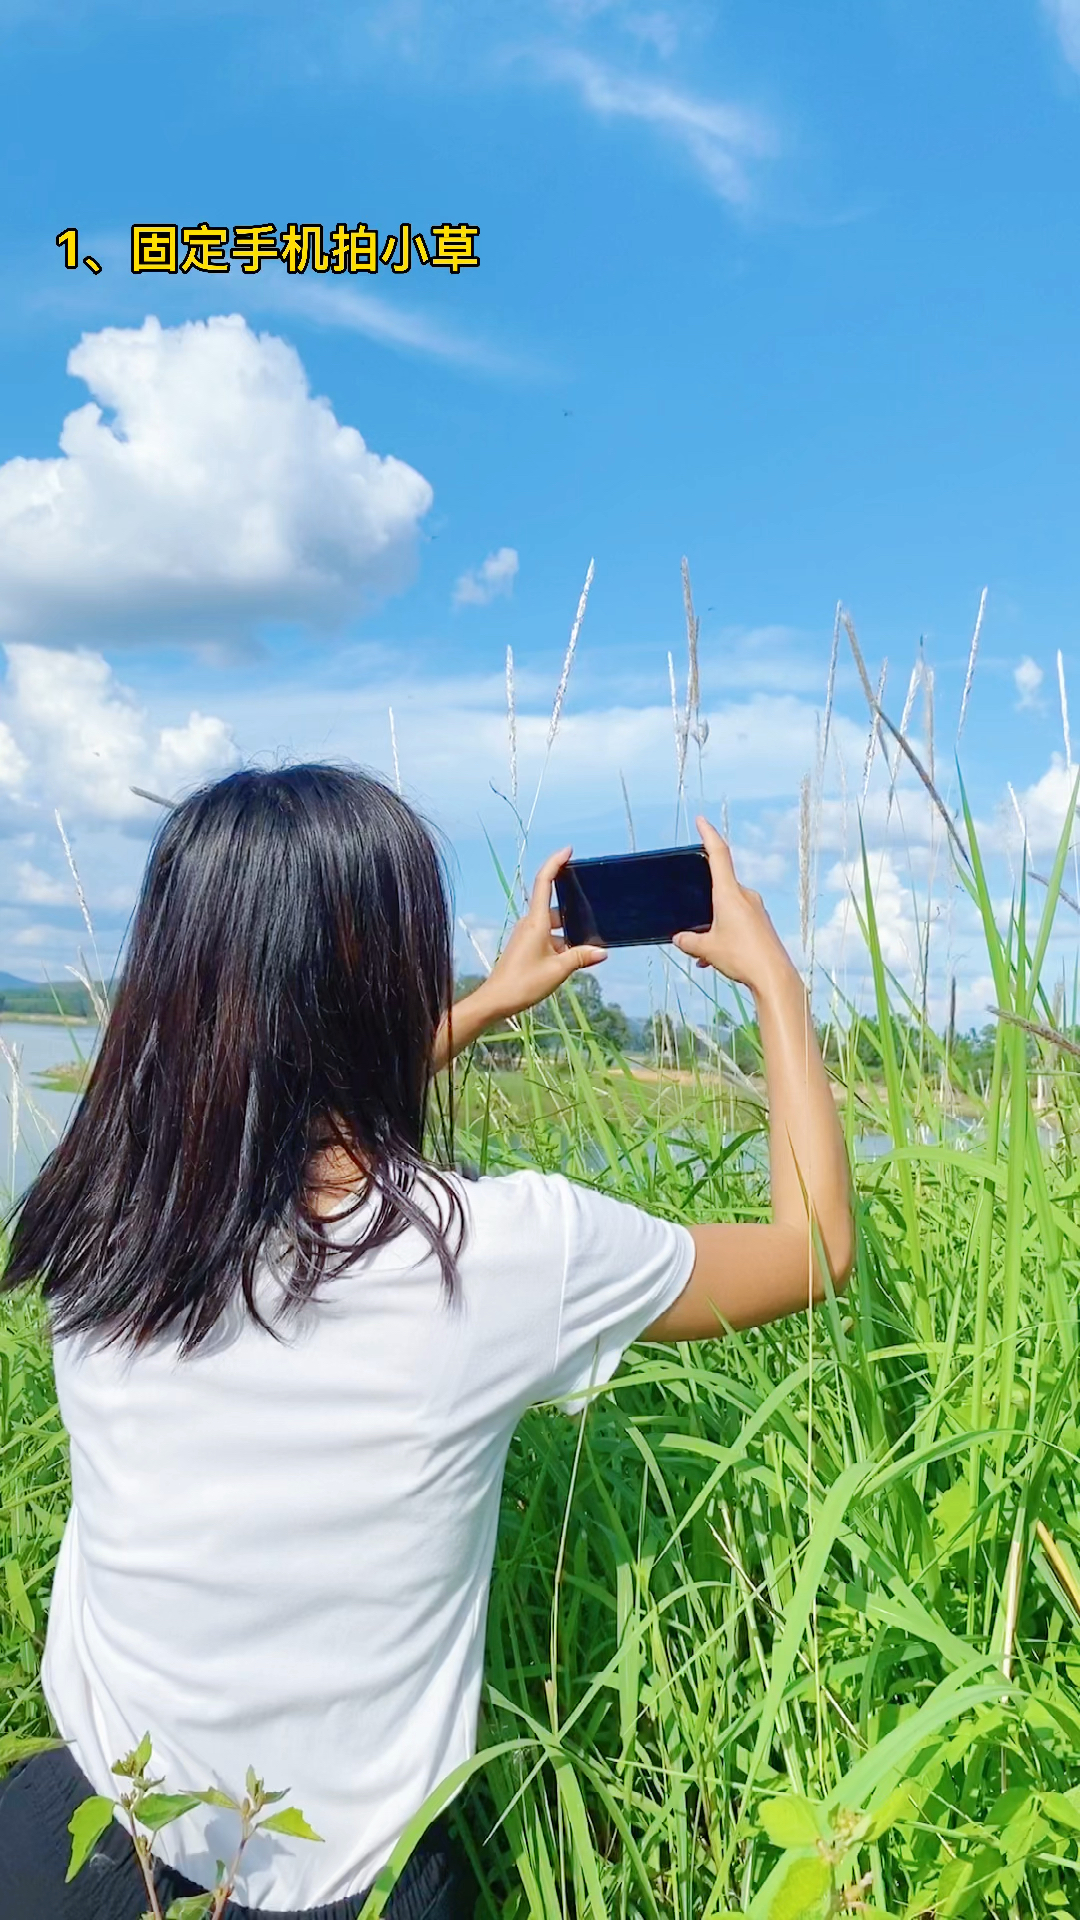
[[332, 1176]]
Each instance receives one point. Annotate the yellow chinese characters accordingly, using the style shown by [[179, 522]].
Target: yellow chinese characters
[[301, 246], [454, 247], [153, 249]]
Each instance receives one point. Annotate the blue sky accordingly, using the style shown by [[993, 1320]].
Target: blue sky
[[793, 292]]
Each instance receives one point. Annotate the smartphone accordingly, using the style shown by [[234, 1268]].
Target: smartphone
[[635, 899]]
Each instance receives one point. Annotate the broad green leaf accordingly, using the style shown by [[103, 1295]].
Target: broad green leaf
[[290, 1820], [1008, 1805], [802, 1892], [155, 1810], [193, 1906], [953, 1884], [1063, 1809], [952, 1510], [213, 1797], [86, 1826], [1025, 1832], [790, 1821]]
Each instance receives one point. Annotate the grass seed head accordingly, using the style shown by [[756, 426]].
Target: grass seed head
[[568, 659]]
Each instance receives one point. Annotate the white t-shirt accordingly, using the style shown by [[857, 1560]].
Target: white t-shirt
[[278, 1555]]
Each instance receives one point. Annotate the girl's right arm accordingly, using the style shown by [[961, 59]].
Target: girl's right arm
[[744, 1275]]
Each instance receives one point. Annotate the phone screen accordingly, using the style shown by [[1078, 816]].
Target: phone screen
[[635, 899]]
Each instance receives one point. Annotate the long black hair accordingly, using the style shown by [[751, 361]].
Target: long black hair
[[289, 963]]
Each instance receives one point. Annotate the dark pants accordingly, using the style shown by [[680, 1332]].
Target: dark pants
[[38, 1798]]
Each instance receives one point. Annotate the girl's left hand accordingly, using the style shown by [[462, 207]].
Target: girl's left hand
[[535, 960]]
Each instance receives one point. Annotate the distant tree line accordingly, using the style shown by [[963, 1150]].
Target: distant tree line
[[70, 1000], [665, 1039]]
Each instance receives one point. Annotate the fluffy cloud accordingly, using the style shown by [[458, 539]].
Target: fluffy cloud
[[221, 493], [79, 741], [482, 584], [1029, 678], [839, 942], [1043, 807]]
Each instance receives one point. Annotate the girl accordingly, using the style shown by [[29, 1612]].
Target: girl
[[290, 1353]]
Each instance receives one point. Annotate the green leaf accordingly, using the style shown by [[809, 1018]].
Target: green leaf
[[193, 1906], [213, 1797], [905, 1802], [1007, 1806], [21, 1603], [952, 1510], [86, 1826], [953, 1884], [136, 1761], [802, 1891], [1063, 1809], [290, 1820], [790, 1821], [155, 1810], [251, 1782], [1024, 1834]]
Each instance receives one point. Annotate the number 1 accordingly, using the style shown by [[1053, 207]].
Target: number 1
[[69, 240]]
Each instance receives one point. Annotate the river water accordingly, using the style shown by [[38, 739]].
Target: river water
[[37, 1115]]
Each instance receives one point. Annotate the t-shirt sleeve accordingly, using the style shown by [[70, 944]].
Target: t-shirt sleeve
[[623, 1268]]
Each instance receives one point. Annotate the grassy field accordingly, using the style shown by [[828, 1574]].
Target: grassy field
[[787, 1625]]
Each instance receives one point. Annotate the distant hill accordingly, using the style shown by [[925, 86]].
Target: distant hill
[[13, 980]]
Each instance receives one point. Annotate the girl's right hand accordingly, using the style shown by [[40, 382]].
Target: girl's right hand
[[742, 941]]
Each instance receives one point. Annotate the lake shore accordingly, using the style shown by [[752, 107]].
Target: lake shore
[[45, 1020]]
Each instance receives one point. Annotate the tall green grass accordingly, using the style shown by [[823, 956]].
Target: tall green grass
[[784, 1625]]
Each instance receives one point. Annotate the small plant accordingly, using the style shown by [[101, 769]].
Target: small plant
[[144, 1806]]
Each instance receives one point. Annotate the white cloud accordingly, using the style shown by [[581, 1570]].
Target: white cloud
[[222, 494], [385, 321], [14, 765], [494, 577], [39, 889], [839, 940], [83, 740], [35, 936], [1029, 678], [1064, 16], [721, 139], [1043, 805], [452, 741]]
